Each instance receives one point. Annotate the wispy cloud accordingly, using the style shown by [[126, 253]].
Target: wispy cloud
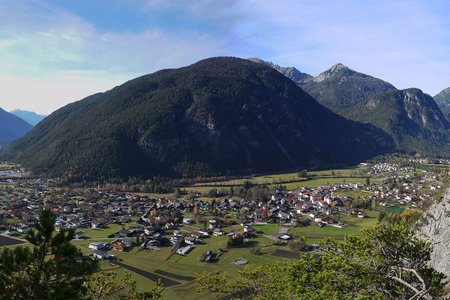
[[50, 43], [89, 46]]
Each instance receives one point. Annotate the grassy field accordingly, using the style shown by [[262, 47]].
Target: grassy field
[[299, 183], [103, 232], [314, 233], [6, 166], [189, 265], [323, 181], [395, 210], [286, 177], [355, 194]]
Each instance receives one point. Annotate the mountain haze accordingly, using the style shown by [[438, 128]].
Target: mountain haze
[[11, 127], [28, 116], [218, 116]]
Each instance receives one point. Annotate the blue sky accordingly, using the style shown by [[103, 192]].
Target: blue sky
[[56, 52]]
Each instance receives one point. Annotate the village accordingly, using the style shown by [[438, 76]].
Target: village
[[108, 223]]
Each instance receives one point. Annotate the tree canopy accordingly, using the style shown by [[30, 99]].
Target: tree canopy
[[107, 285], [51, 268]]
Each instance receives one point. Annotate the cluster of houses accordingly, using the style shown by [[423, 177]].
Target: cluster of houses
[[158, 221], [382, 168]]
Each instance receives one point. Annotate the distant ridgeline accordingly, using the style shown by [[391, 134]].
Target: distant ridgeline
[[11, 127], [411, 118], [216, 117], [443, 100], [28, 116]]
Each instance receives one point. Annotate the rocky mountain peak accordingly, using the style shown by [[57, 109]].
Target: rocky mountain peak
[[445, 91], [335, 70], [443, 97], [337, 67], [421, 108], [443, 100], [290, 72]]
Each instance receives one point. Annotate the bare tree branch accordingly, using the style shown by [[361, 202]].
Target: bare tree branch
[[418, 293]]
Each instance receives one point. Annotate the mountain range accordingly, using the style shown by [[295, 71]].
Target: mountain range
[[443, 100], [216, 117], [28, 116], [11, 127], [290, 72], [228, 115], [410, 117]]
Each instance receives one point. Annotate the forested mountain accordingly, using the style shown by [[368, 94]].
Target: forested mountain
[[412, 118], [443, 101], [218, 116], [339, 87], [28, 116], [11, 127]]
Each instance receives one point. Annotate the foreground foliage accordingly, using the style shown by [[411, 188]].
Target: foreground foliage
[[384, 262], [107, 285], [52, 268]]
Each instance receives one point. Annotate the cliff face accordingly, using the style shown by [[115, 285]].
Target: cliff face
[[436, 230]]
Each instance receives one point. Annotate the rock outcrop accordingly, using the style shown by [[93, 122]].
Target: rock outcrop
[[436, 230]]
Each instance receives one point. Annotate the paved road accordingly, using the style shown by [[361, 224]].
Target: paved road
[[176, 276], [166, 282], [9, 241]]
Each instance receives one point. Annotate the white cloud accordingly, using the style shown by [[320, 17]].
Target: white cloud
[[52, 43], [50, 56]]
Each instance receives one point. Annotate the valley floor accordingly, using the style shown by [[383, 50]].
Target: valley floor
[[272, 212]]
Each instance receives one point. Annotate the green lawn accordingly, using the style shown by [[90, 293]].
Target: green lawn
[[267, 228], [295, 184], [277, 178], [348, 172], [395, 209], [6, 166], [313, 233], [355, 194], [103, 232], [189, 265], [324, 181]]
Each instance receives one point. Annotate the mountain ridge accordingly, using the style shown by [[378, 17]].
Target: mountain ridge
[[413, 120], [30, 117], [290, 72], [11, 127], [443, 100], [218, 116]]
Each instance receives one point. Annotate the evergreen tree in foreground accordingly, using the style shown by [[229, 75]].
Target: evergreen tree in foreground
[[51, 268]]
